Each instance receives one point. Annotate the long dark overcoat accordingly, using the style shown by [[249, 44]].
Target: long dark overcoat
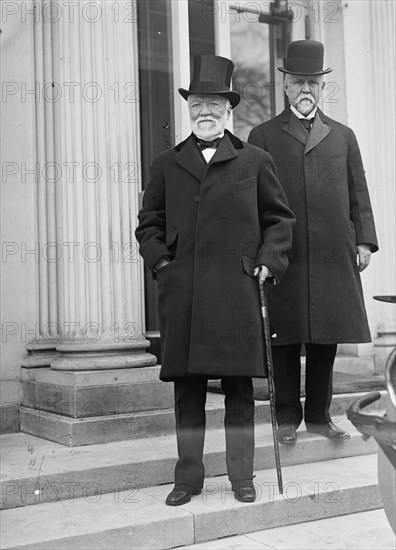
[[216, 222], [320, 299]]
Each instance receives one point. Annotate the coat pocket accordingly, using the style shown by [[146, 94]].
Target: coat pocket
[[245, 184], [337, 156], [171, 241], [171, 237], [248, 265]]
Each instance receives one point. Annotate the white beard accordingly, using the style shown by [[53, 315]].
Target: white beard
[[207, 129]]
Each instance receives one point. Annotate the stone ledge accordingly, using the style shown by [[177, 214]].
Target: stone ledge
[[83, 394], [84, 402], [74, 432], [92, 378]]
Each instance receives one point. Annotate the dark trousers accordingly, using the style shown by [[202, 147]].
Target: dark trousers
[[190, 399], [318, 382]]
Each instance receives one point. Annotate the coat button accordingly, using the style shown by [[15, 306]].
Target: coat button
[[196, 198]]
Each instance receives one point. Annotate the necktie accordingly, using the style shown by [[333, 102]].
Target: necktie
[[202, 144], [307, 123]]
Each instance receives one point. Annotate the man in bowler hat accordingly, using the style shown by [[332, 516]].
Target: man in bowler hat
[[319, 302], [214, 217]]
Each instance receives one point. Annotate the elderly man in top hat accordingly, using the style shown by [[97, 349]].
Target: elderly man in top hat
[[214, 216], [319, 302]]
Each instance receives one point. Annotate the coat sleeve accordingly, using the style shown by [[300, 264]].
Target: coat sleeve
[[151, 231], [360, 206], [276, 219]]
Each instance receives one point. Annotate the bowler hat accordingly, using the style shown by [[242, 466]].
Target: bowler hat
[[211, 75], [305, 57]]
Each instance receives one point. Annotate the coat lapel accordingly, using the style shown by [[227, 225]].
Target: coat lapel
[[293, 127], [317, 134], [189, 158], [225, 151]]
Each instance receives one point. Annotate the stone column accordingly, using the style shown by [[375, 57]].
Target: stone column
[[91, 293], [42, 349], [99, 294]]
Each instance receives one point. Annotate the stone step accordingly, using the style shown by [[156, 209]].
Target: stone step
[[368, 529], [75, 432], [36, 471], [140, 519]]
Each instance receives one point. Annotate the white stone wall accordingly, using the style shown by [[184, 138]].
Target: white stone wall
[[18, 224], [370, 89]]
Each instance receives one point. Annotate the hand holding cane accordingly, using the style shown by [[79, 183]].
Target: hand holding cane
[[269, 371]]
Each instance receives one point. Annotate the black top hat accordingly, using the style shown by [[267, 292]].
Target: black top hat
[[211, 75], [305, 57]]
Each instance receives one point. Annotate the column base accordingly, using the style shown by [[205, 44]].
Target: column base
[[40, 353], [84, 408], [74, 432], [81, 356]]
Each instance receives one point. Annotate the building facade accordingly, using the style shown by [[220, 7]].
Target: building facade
[[89, 98]]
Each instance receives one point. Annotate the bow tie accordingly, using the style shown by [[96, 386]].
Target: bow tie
[[202, 144], [306, 122]]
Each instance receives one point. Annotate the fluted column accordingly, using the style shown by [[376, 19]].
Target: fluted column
[[42, 349], [96, 120]]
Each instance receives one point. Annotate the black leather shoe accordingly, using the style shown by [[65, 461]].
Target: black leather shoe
[[178, 497], [287, 434], [244, 492], [328, 429]]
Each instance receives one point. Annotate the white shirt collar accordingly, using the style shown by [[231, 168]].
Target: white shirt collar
[[299, 115], [209, 153]]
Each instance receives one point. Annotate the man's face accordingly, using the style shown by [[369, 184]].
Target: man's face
[[304, 92], [208, 115]]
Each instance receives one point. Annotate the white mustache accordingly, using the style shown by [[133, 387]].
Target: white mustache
[[309, 97]]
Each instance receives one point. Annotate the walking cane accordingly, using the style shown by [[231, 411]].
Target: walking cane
[[270, 375]]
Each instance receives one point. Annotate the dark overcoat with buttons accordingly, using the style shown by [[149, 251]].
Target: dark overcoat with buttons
[[216, 222], [320, 299]]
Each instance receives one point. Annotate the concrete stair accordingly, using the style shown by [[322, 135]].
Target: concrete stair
[[368, 529], [41, 471], [139, 519], [112, 495]]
